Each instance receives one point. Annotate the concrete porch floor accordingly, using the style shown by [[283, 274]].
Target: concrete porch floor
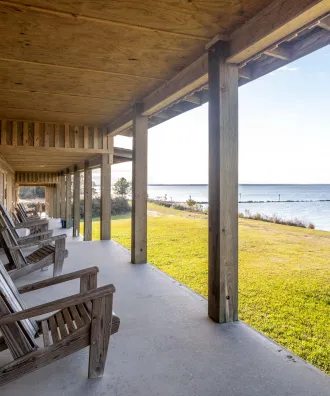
[[166, 344]]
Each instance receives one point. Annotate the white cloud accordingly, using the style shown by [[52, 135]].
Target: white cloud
[[288, 69]]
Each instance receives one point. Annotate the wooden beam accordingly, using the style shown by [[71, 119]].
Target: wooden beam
[[36, 139], [280, 53], [68, 204], [105, 197], [63, 195], [139, 187], [57, 135], [325, 23], [66, 135], [223, 186], [270, 26], [76, 202], [25, 133], [245, 72], [3, 132], [87, 203], [194, 98], [186, 81]]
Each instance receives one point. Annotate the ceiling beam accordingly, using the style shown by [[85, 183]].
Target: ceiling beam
[[275, 22], [279, 52], [325, 23]]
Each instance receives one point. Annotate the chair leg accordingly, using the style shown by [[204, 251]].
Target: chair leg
[[100, 335], [59, 256]]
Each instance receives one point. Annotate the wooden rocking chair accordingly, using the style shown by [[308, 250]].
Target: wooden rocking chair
[[47, 254], [4, 223], [34, 225], [84, 319]]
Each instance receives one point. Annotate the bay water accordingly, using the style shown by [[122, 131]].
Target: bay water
[[310, 204]]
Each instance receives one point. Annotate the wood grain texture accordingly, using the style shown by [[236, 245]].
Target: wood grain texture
[[68, 203], [223, 186], [139, 187], [63, 196], [100, 335], [76, 203], [197, 20], [276, 21], [87, 204], [105, 197]]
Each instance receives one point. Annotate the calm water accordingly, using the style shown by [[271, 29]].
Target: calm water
[[315, 212]]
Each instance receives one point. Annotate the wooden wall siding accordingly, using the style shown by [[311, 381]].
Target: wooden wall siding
[[37, 177], [51, 135]]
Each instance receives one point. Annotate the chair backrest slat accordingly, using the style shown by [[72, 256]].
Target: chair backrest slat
[[8, 240], [4, 222], [19, 336], [6, 214]]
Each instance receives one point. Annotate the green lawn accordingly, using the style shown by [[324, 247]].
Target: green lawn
[[284, 273]]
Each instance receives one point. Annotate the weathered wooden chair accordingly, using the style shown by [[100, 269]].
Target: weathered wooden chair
[[47, 253], [27, 213], [84, 319], [39, 236], [34, 225]]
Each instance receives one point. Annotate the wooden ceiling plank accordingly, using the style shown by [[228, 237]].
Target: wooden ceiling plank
[[82, 17]]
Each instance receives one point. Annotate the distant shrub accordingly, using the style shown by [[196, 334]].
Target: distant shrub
[[119, 205], [190, 202], [196, 208], [276, 219]]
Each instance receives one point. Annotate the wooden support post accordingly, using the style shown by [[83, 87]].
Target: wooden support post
[[63, 193], [47, 201], [87, 203], [76, 202], [223, 186], [54, 202], [58, 200], [68, 204], [139, 186], [50, 200], [106, 195]]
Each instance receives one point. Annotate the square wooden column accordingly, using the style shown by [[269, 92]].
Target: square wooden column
[[54, 202], [139, 187], [76, 202], [63, 196], [58, 200], [50, 200], [68, 204], [87, 203], [106, 161], [223, 186]]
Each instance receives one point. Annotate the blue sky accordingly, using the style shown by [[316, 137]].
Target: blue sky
[[284, 131]]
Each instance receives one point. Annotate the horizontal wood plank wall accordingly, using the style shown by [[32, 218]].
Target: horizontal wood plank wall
[[50, 135], [37, 177]]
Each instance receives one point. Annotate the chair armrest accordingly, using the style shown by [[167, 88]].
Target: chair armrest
[[58, 279], [31, 223], [33, 236], [57, 305], [38, 243]]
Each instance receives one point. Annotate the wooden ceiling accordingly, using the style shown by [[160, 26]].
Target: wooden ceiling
[[85, 62]]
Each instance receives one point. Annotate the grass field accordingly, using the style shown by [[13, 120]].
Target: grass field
[[284, 274]]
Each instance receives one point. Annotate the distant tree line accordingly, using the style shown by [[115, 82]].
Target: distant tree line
[[31, 192]]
